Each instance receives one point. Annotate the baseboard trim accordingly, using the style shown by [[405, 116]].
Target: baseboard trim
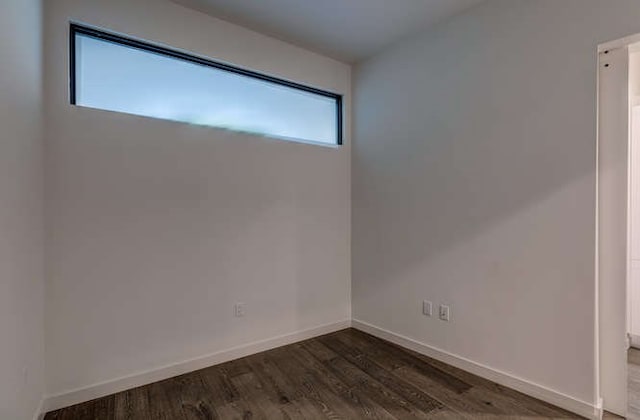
[[76, 396], [39, 414], [540, 392], [599, 411]]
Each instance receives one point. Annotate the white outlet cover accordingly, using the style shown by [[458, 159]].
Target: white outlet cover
[[427, 308], [444, 313], [239, 310]]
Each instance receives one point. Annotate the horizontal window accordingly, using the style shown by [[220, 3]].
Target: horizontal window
[[114, 73]]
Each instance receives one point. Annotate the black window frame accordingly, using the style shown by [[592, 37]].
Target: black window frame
[[78, 29]]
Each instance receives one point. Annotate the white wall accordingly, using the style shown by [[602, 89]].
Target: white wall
[[474, 185], [21, 219], [633, 321], [156, 228]]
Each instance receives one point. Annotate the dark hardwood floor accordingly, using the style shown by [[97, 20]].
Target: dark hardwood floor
[[344, 375]]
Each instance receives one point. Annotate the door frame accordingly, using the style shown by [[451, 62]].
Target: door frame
[[612, 224]]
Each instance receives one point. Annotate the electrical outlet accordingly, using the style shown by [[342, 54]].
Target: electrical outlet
[[444, 313], [239, 310], [427, 308]]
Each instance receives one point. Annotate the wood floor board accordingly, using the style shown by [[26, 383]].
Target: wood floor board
[[104, 408], [315, 388], [228, 400], [436, 384], [194, 396], [223, 391], [387, 355], [367, 407], [462, 404], [165, 401], [132, 404], [343, 375], [415, 396], [350, 374], [446, 414], [256, 401], [540, 408], [275, 383]]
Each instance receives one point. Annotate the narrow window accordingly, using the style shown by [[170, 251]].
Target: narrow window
[[119, 74]]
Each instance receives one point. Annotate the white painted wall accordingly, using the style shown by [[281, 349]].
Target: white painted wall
[[474, 185], [156, 228], [634, 74], [21, 218], [633, 321]]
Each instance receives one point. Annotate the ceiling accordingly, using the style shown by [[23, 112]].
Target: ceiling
[[349, 30]]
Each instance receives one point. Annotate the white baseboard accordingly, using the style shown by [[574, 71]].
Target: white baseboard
[[40, 412], [76, 396], [599, 412], [540, 392]]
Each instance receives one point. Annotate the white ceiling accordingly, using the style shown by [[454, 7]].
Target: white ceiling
[[349, 30]]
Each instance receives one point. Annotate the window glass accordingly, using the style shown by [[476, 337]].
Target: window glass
[[117, 77]]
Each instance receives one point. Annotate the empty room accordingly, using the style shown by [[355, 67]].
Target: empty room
[[340, 209]]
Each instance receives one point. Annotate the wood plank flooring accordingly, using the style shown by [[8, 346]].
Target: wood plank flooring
[[344, 375]]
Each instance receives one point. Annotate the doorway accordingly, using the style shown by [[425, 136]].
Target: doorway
[[618, 219]]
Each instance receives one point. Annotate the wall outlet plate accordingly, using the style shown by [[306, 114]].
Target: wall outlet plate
[[444, 313], [239, 310], [427, 308]]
